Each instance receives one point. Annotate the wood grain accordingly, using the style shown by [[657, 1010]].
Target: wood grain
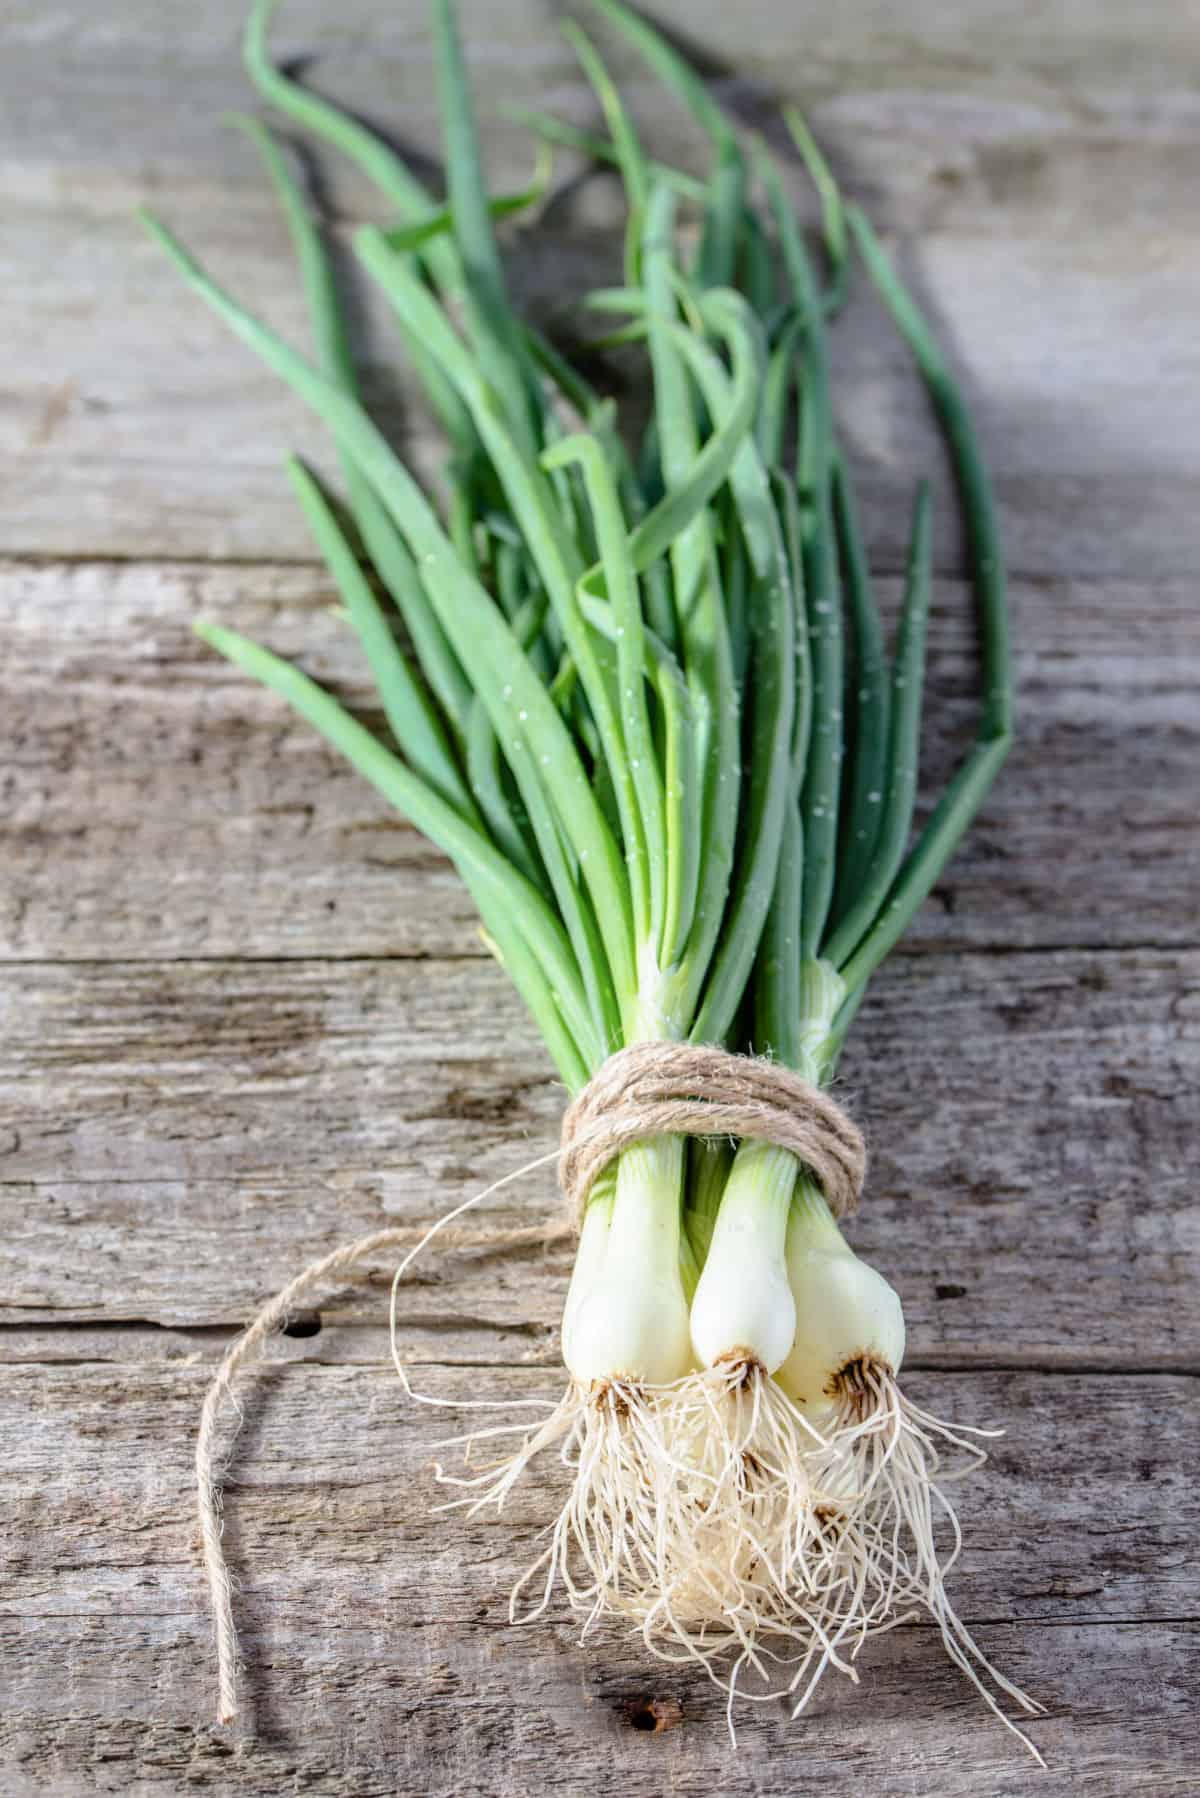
[[181, 1137], [226, 829], [244, 1013], [1049, 171], [377, 1641]]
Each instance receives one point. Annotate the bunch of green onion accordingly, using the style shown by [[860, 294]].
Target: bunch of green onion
[[638, 692]]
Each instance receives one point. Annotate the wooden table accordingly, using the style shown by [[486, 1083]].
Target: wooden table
[[246, 1014]]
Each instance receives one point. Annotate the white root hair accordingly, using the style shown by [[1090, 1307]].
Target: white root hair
[[883, 1471], [716, 1519]]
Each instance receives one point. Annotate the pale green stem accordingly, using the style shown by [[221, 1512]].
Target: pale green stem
[[593, 1243], [646, 1211], [758, 1192], [810, 1219], [757, 1176]]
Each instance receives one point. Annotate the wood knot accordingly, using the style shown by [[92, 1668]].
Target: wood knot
[[653, 1715]]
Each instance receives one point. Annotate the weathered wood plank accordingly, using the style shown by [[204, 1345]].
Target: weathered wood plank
[[195, 818], [1069, 47], [571, 1720], [181, 1138], [106, 452], [1050, 176], [175, 1139], [376, 1633], [1038, 109]]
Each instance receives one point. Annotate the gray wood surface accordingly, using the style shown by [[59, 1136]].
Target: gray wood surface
[[244, 1013]]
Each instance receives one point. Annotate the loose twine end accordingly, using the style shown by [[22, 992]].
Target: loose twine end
[[646, 1090]]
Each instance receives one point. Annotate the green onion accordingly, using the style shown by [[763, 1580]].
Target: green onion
[[638, 691]]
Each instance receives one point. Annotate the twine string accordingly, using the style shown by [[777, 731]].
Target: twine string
[[649, 1089], [694, 1089]]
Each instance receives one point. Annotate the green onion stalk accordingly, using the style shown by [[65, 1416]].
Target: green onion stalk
[[636, 688]]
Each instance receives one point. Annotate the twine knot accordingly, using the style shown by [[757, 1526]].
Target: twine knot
[[692, 1089]]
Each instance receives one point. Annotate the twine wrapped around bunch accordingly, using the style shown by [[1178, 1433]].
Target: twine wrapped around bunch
[[693, 1089]]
